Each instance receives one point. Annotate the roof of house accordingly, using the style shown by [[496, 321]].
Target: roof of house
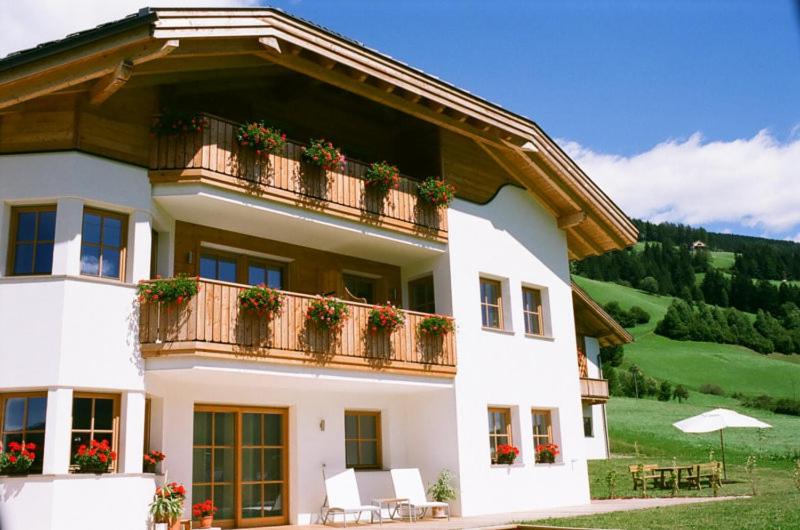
[[592, 320], [593, 223]]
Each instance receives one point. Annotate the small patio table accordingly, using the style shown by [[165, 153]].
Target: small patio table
[[663, 470], [392, 505]]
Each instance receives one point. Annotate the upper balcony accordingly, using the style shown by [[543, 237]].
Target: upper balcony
[[594, 391], [214, 157], [212, 324]]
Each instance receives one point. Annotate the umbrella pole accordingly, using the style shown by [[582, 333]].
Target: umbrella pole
[[722, 445]]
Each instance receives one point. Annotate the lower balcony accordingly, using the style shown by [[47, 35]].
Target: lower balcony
[[212, 324], [594, 391]]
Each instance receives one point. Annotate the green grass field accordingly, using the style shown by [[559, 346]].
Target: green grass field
[[722, 260]]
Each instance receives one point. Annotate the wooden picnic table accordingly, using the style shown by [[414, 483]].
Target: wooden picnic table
[[664, 470]]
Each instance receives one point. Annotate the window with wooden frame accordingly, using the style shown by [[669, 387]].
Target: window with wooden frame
[[271, 274], [421, 295], [491, 304], [218, 266], [103, 241], [588, 421], [532, 311], [362, 439], [542, 427], [95, 417], [499, 429], [32, 238], [22, 420], [148, 417], [360, 287]]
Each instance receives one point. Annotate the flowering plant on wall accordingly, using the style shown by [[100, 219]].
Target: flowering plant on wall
[[322, 153], [151, 459], [264, 140], [382, 176], [178, 289], [262, 300], [205, 512], [506, 454], [435, 325], [385, 318], [167, 505], [169, 123], [546, 453], [327, 313], [18, 459], [96, 458], [436, 192]]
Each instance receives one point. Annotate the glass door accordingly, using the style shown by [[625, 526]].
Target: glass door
[[263, 468], [213, 469]]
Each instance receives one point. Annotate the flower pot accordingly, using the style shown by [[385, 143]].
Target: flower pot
[[160, 526], [546, 458], [206, 521], [438, 512]]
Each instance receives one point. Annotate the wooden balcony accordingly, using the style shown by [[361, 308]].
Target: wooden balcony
[[594, 391], [214, 157], [211, 324]]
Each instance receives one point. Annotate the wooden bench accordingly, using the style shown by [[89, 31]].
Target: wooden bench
[[648, 472], [709, 472]]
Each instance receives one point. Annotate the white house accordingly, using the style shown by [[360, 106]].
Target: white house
[[251, 411]]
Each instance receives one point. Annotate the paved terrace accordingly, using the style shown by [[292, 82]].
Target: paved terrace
[[502, 520]]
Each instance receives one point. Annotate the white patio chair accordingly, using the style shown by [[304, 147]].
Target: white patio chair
[[343, 497], [408, 485]]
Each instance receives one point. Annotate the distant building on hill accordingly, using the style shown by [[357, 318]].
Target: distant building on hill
[[698, 245]]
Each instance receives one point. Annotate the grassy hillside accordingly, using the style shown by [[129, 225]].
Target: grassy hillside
[[734, 368]]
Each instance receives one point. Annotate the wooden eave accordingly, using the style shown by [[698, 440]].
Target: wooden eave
[[593, 224], [592, 320]]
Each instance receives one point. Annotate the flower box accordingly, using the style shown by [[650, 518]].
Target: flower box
[[386, 318], [261, 300], [327, 313]]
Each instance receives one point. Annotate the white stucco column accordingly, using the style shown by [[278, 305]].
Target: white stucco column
[[131, 446], [67, 248], [57, 434], [139, 241]]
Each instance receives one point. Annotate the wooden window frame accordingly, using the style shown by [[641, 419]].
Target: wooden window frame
[[237, 258], [539, 439], [529, 314], [267, 264], [485, 305], [148, 417], [115, 427], [123, 241], [412, 302], [509, 434], [358, 439], [39, 451], [12, 237], [368, 279], [590, 417]]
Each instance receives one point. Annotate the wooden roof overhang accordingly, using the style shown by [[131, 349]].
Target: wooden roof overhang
[[170, 40], [593, 321]]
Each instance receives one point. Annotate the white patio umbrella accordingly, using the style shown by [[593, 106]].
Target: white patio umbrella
[[719, 420]]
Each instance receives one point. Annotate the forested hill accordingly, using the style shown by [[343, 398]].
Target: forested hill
[[684, 234]]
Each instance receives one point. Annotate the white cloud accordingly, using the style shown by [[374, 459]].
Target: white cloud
[[753, 182], [26, 23]]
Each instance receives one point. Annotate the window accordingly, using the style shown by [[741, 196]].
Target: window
[[22, 420], [270, 274], [360, 287], [421, 295], [499, 429], [103, 244], [94, 417], [588, 422], [218, 267], [362, 439], [491, 300], [532, 310], [33, 231], [542, 427]]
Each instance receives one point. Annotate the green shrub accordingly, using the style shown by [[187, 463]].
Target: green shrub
[[711, 389]]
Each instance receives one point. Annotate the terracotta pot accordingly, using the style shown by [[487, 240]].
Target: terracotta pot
[[175, 525], [207, 521], [438, 512]]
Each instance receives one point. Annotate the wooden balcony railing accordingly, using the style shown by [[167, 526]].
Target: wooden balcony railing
[[594, 390], [211, 323], [215, 157]]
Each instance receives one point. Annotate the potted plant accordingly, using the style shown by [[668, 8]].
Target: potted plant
[[506, 454], [167, 506], [436, 192], [18, 459], [151, 460], [262, 139], [322, 153], [205, 512], [170, 123], [179, 289], [382, 177], [442, 491], [546, 453], [96, 458], [386, 318], [327, 313], [435, 325], [261, 300]]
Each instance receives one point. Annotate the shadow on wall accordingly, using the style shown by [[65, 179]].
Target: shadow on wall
[[132, 339]]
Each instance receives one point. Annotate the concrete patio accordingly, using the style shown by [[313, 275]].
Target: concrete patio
[[502, 520]]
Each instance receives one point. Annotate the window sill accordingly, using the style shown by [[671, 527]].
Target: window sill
[[540, 337], [498, 330], [30, 278], [502, 466], [79, 476], [546, 464]]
